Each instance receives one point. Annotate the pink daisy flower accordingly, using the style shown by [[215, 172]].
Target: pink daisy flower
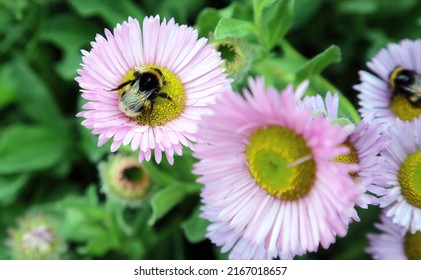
[[365, 141], [393, 242], [270, 186], [401, 193], [376, 92], [149, 87]]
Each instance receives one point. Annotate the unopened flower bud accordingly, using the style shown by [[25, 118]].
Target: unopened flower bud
[[124, 180]]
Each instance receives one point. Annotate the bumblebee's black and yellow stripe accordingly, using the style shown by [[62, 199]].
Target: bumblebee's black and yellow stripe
[[142, 90], [408, 83]]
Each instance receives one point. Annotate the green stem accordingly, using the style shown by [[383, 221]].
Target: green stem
[[290, 51], [119, 216], [259, 26], [117, 211], [161, 177]]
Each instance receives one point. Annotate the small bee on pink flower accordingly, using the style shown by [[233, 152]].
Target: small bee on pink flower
[[148, 87]]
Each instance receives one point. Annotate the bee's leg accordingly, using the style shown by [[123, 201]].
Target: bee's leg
[[415, 100], [151, 110], [166, 96], [120, 86]]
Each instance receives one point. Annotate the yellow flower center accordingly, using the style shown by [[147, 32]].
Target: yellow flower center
[[351, 157], [281, 162], [409, 177], [164, 110], [403, 109], [412, 245]]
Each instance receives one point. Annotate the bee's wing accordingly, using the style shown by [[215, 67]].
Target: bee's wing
[[415, 88], [134, 100]]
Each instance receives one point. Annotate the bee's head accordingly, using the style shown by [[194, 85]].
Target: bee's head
[[401, 77], [150, 79]]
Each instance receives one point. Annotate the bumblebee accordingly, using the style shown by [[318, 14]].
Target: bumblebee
[[408, 83], [144, 88]]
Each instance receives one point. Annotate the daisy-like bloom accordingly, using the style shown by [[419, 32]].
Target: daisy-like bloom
[[393, 242], [380, 93], [149, 87], [365, 143], [36, 237], [401, 192], [271, 188], [124, 180]]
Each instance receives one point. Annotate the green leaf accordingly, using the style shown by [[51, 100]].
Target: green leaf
[[362, 7], [111, 11], [279, 72], [157, 174], [15, 30], [164, 200], [33, 96], [273, 19], [237, 10], [181, 10], [6, 21], [279, 21], [207, 21], [77, 34], [134, 248], [90, 148], [88, 221], [26, 148], [259, 6], [99, 242], [194, 227], [177, 173], [236, 28], [181, 169], [10, 187], [208, 18], [318, 63], [304, 10], [7, 94], [378, 39]]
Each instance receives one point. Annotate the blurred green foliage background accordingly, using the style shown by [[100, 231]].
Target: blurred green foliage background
[[48, 161]]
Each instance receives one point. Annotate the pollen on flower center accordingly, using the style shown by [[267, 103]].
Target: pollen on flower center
[[403, 109], [409, 177], [412, 245], [281, 163], [351, 157], [164, 109]]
